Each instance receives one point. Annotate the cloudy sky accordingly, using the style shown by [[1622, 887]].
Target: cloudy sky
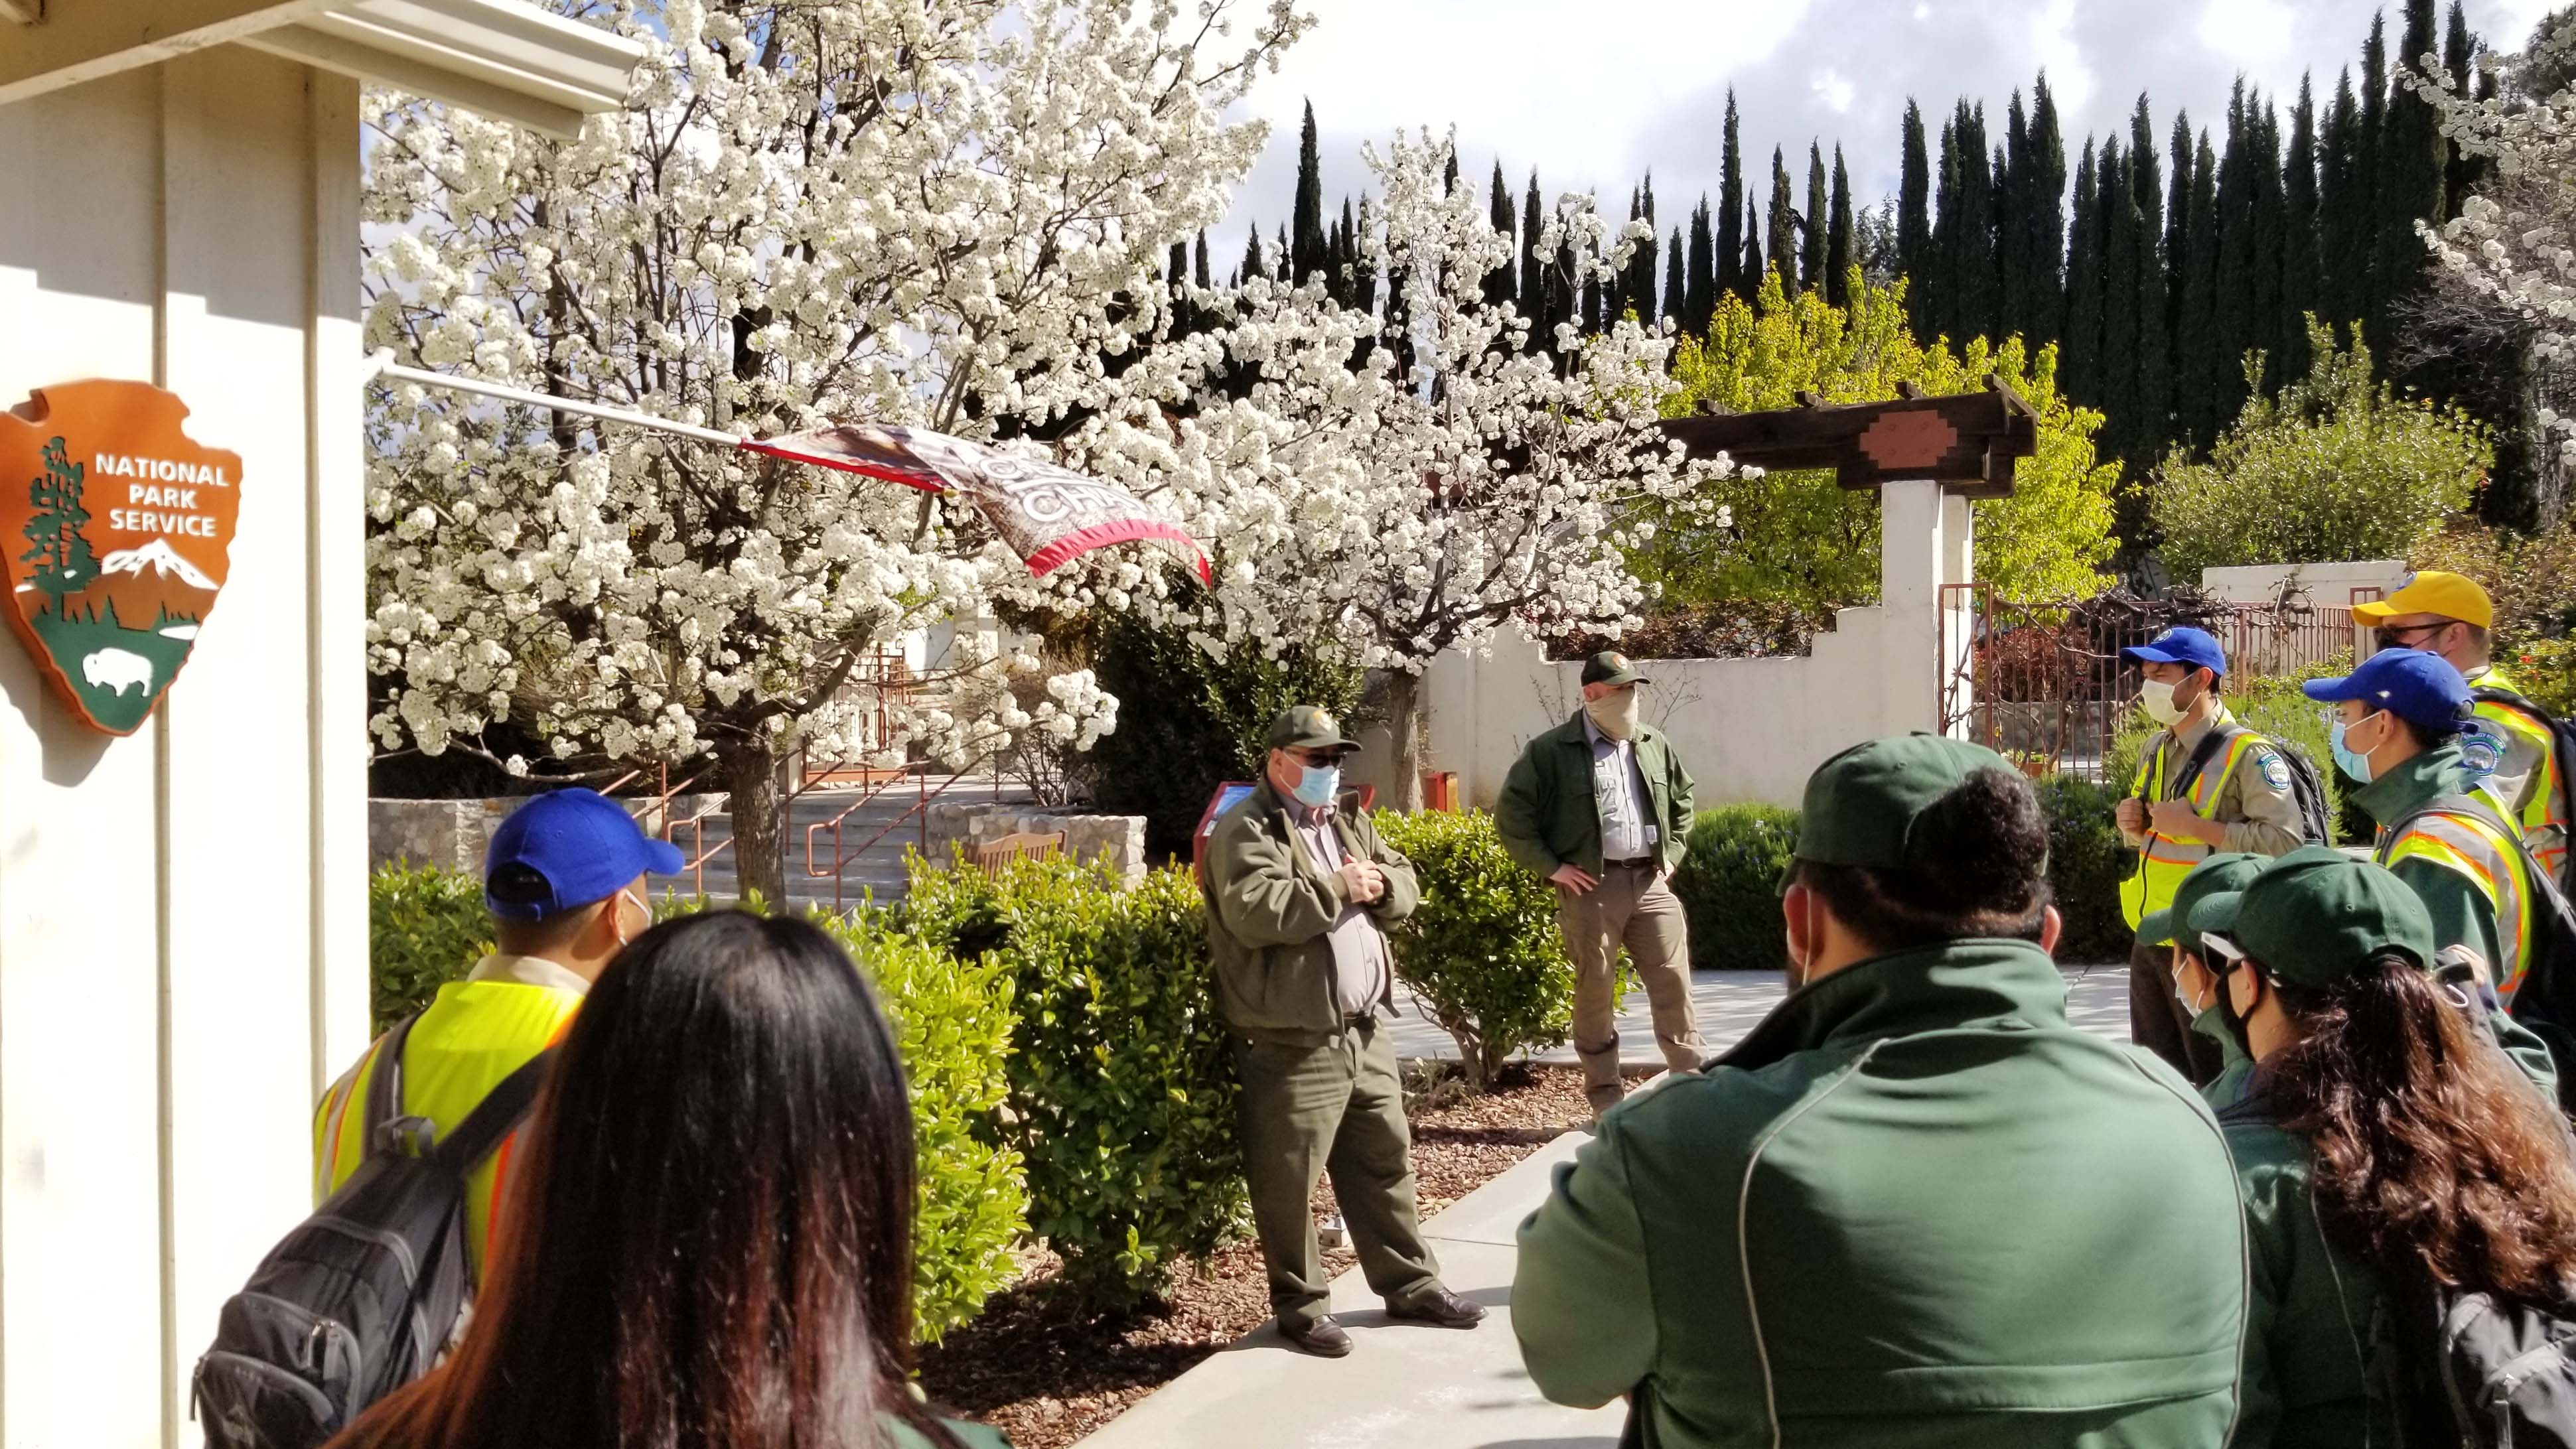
[[1594, 93]]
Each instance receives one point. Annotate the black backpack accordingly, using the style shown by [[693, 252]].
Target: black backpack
[[364, 1295], [2562, 749], [2474, 1369], [2306, 786]]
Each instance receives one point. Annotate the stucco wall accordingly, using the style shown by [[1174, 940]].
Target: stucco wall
[[182, 913]]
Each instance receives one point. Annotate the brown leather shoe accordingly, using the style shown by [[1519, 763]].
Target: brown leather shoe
[[1441, 1309], [1323, 1338]]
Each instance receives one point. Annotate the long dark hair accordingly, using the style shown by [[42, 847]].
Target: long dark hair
[[710, 1243], [2435, 1158]]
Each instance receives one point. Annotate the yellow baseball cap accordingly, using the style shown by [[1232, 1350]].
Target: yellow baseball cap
[[2432, 591]]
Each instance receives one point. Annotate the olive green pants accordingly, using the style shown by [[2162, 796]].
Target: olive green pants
[[1338, 1107], [1635, 908]]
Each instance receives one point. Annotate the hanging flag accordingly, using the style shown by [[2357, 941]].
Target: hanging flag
[[1047, 514]]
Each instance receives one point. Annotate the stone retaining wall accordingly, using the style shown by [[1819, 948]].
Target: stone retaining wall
[[1117, 839], [453, 834]]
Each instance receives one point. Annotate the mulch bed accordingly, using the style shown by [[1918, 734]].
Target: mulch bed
[[1046, 1372]]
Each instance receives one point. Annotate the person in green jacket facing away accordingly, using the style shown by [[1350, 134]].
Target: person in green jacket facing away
[[1299, 888], [2383, 1143], [2195, 989], [1601, 806], [1916, 1208]]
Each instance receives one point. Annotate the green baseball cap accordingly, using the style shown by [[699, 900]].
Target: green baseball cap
[[2229, 870], [2313, 916], [1861, 805], [1611, 667], [1308, 727]]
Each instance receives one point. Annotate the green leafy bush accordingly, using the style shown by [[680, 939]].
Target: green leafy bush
[[1122, 1079], [425, 928], [953, 1023], [1729, 883], [2087, 860], [1482, 950], [2546, 668]]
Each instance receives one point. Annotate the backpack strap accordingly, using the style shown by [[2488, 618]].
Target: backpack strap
[[2201, 754], [495, 1117], [385, 1084]]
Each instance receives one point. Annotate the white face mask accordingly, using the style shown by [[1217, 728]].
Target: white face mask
[[617, 915], [1615, 713], [2157, 697]]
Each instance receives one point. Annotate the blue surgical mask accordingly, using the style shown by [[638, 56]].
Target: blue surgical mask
[[1318, 785], [2353, 764]]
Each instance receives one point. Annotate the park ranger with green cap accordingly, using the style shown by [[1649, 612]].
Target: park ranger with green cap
[[1601, 806], [1299, 888], [1916, 1207]]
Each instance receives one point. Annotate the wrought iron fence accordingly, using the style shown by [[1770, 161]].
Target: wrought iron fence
[[2042, 681]]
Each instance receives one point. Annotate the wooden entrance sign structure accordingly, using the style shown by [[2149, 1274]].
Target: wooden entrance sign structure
[[1967, 442]]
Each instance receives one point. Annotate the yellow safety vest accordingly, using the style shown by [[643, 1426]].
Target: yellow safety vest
[[2492, 865], [2544, 818], [471, 1037], [2163, 862]]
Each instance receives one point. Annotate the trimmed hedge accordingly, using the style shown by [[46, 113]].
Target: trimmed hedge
[[2086, 863], [1482, 951], [1729, 884], [953, 1025], [1121, 1074]]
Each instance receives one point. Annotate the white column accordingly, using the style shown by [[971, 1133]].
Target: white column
[[182, 912], [1912, 558], [1958, 568]]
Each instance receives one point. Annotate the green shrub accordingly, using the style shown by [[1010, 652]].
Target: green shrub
[[2087, 860], [1482, 950], [2546, 669], [1729, 883], [425, 928], [953, 1023], [1121, 1080]]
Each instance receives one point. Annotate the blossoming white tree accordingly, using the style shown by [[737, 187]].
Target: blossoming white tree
[[1450, 482], [935, 212]]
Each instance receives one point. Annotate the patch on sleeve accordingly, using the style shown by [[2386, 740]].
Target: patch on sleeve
[[2482, 746], [2276, 771]]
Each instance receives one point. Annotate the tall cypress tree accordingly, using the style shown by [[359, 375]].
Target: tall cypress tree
[[1252, 263], [1700, 301], [1363, 273], [2270, 218], [1306, 247], [2013, 268], [2372, 135], [1812, 224], [2343, 228], [2117, 383], [1780, 231], [1500, 288], [1753, 266], [1676, 287], [1938, 283], [2459, 52], [1199, 272], [2302, 269], [2177, 236], [1641, 263], [2154, 393], [1281, 256], [1973, 274], [2412, 160], [2042, 199], [2081, 332], [1838, 237], [1534, 303], [2199, 352], [1914, 219], [1730, 208], [2233, 323]]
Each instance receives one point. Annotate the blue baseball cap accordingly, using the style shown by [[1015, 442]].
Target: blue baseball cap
[[2181, 646], [569, 849], [2419, 688]]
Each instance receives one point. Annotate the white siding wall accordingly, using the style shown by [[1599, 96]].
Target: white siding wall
[[182, 913]]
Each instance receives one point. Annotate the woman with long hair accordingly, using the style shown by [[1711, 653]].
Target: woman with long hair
[[710, 1244], [2385, 1146]]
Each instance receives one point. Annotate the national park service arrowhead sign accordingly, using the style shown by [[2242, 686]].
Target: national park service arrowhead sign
[[116, 530]]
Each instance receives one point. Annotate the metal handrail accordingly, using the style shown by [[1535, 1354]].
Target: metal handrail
[[919, 772]]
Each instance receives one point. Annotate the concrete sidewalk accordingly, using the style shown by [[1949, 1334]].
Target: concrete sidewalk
[[1407, 1384], [1435, 1388]]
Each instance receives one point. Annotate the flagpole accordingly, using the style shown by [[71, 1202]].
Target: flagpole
[[385, 368]]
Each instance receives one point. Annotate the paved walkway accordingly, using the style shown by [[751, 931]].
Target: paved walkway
[[1434, 1388]]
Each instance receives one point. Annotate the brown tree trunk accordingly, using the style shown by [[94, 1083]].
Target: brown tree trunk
[[1404, 731], [751, 811]]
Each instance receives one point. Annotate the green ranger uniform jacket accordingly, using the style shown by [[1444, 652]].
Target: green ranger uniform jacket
[[2308, 1331], [1270, 908], [1915, 1208], [2461, 878], [1547, 817]]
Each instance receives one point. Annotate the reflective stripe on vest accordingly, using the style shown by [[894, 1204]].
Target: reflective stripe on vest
[[2472, 848], [2544, 817], [2163, 861]]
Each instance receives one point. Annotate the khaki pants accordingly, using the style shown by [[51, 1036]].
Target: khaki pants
[[1632, 907], [2157, 1020], [1338, 1107]]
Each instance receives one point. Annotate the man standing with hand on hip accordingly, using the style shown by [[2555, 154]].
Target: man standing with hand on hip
[[1600, 806]]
